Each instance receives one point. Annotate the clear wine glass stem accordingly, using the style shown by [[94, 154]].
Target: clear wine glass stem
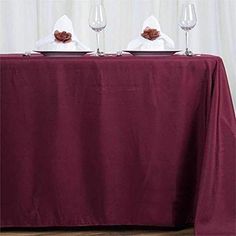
[[98, 42], [187, 41]]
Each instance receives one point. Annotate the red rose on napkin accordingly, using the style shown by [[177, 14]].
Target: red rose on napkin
[[62, 36], [150, 34]]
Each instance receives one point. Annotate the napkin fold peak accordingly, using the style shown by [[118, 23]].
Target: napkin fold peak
[[64, 24], [152, 23]]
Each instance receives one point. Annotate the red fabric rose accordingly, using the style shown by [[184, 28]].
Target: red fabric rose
[[62, 36], [150, 34]]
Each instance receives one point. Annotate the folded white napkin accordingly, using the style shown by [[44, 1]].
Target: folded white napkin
[[49, 42], [163, 42]]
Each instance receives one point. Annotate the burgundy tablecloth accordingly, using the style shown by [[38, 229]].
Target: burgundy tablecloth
[[117, 141]]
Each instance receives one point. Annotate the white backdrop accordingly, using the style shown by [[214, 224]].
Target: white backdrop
[[23, 22]]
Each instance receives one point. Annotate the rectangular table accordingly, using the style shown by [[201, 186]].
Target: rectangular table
[[117, 141]]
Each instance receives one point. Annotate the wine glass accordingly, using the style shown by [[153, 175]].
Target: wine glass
[[188, 20], [97, 21]]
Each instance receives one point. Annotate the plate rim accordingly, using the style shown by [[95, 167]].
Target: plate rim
[[62, 52], [153, 51]]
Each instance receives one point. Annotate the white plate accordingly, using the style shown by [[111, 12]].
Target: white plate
[[152, 53], [63, 53]]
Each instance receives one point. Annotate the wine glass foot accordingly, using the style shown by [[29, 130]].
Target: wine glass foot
[[189, 53], [96, 54], [101, 54]]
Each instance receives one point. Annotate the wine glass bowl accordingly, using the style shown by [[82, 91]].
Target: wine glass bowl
[[97, 22], [187, 22]]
